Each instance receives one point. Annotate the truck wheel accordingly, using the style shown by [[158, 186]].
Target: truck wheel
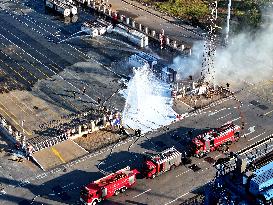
[[95, 202], [117, 192], [200, 155], [237, 136], [122, 189]]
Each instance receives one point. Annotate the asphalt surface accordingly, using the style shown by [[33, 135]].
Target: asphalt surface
[[174, 28], [170, 188], [33, 58], [25, 184]]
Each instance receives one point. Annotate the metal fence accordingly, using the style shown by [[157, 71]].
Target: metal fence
[[48, 142]]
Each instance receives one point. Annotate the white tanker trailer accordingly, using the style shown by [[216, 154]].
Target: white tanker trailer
[[74, 10], [59, 6]]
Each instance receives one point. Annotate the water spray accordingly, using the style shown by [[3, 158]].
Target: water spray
[[228, 19]]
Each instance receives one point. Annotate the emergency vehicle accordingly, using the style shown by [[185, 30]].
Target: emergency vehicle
[[157, 164], [110, 185], [212, 139]]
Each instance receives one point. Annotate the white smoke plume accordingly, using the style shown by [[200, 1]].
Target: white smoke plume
[[186, 66], [247, 58]]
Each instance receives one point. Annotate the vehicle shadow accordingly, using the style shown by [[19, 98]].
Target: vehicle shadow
[[180, 138], [119, 160], [65, 188]]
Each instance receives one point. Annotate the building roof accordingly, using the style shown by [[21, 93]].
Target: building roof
[[264, 168], [264, 179], [268, 194]]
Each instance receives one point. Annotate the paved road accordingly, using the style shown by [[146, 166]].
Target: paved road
[[157, 21], [50, 71], [170, 188]]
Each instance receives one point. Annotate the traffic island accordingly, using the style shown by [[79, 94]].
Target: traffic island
[[99, 139], [58, 154]]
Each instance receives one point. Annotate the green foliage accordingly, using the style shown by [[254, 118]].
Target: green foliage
[[249, 12], [190, 9]]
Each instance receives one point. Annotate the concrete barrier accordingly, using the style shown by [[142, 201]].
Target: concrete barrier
[[121, 17], [127, 21], [106, 10], [174, 44], [10, 132], [147, 30], [140, 27], [167, 40]]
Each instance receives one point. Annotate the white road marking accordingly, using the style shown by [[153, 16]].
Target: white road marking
[[216, 111], [2, 192], [68, 185], [114, 165], [218, 156], [235, 119], [223, 116], [187, 105], [249, 150], [256, 136], [268, 112], [141, 193], [251, 130], [177, 198], [183, 173]]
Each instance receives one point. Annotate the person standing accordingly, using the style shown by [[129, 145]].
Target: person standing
[[83, 90], [99, 100], [74, 94]]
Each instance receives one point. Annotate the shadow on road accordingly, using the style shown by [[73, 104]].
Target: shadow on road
[[180, 138], [65, 188]]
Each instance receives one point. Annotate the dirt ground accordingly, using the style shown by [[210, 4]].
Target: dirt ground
[[99, 139]]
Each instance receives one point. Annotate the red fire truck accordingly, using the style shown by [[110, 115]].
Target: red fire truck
[[157, 164], [108, 186], [211, 140]]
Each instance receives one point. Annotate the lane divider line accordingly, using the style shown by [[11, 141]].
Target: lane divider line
[[256, 136], [142, 193], [177, 198]]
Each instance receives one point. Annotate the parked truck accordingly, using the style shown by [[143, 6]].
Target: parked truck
[[214, 138], [110, 185], [157, 164]]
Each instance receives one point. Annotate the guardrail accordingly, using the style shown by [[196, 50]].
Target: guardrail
[[11, 132], [48, 142]]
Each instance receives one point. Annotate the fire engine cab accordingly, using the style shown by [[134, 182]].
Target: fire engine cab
[[110, 185], [157, 164], [212, 139]]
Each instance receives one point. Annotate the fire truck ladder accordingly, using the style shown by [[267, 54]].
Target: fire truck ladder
[[168, 154]]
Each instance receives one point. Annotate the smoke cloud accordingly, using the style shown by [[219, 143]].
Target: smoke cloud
[[186, 66], [247, 58]]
